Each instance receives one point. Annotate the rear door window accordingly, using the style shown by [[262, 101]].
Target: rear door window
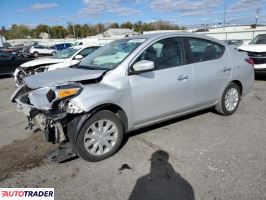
[[204, 50]]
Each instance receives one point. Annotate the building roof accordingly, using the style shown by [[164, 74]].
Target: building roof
[[119, 31]]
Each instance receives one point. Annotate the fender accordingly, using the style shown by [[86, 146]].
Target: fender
[[74, 127]]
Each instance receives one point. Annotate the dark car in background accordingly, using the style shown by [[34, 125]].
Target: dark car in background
[[61, 46], [10, 61]]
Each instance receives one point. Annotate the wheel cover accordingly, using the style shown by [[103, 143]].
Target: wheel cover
[[100, 137], [231, 99]]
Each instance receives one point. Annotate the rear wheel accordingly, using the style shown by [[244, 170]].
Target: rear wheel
[[53, 53], [229, 101], [100, 137]]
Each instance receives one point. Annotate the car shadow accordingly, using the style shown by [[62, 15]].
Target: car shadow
[[260, 76], [163, 182]]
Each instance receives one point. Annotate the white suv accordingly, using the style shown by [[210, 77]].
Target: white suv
[[41, 50], [256, 50]]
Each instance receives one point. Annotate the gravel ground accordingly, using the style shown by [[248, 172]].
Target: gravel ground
[[201, 156]]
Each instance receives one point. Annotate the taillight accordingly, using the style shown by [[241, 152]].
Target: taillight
[[250, 61]]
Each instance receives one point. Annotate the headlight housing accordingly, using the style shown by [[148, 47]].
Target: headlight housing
[[55, 97], [65, 91]]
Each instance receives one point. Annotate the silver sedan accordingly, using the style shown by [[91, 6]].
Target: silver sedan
[[132, 83]]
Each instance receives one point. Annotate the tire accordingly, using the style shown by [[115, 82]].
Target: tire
[[91, 139], [35, 54], [229, 101], [53, 53]]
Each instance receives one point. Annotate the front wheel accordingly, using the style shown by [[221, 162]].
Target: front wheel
[[53, 53], [229, 101], [100, 137]]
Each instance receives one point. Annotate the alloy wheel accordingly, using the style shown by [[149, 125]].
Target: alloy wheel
[[231, 99]]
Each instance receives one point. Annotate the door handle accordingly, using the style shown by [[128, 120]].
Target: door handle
[[182, 77], [227, 69]]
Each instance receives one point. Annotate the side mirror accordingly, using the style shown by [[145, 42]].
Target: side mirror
[[78, 57], [143, 65]]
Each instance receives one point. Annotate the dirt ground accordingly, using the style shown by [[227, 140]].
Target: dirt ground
[[23, 154]]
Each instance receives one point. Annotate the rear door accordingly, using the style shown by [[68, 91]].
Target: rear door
[[212, 69], [168, 89]]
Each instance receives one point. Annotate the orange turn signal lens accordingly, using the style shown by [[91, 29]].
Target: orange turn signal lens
[[66, 92]]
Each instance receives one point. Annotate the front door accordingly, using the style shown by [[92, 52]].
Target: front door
[[168, 89]]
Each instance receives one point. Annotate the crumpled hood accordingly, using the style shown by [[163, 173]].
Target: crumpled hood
[[253, 47], [49, 78], [42, 61]]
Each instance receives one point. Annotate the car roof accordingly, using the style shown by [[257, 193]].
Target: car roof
[[151, 36]]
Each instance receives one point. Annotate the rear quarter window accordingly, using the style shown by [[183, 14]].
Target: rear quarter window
[[204, 50]]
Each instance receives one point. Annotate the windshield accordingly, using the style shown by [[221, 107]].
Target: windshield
[[111, 55], [259, 39], [66, 53]]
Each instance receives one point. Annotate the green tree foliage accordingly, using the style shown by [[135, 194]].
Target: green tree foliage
[[40, 29], [58, 32], [22, 31], [127, 24], [114, 25], [16, 31]]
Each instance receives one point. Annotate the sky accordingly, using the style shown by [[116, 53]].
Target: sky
[[181, 12]]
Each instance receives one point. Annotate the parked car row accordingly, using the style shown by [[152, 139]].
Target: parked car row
[[128, 84], [36, 50], [65, 58], [61, 46]]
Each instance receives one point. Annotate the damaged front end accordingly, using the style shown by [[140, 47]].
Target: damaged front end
[[51, 110]]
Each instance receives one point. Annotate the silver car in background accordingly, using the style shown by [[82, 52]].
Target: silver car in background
[[132, 83]]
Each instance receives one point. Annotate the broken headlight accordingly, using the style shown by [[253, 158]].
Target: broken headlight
[[72, 108]]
